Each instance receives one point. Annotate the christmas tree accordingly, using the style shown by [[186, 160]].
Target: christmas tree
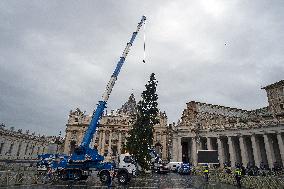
[[141, 135]]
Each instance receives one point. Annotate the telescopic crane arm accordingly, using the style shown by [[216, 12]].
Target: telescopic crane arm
[[102, 104]]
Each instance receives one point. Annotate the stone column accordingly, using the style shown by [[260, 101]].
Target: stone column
[[95, 136], [32, 150], [125, 140], [164, 143], [119, 143], [232, 151], [35, 149], [209, 143], [256, 150], [179, 149], [16, 148], [175, 150], [99, 141], [103, 142], [194, 151], [109, 144], [198, 144], [42, 149], [269, 150], [281, 146], [81, 136], [22, 150], [244, 150], [67, 142], [221, 154]]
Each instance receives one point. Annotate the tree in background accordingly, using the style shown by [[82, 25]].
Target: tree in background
[[141, 135]]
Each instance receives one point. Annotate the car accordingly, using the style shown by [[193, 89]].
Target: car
[[184, 169], [173, 166], [161, 167]]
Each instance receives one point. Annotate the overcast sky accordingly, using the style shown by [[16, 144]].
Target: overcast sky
[[59, 55]]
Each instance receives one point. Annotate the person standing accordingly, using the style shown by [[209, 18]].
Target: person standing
[[206, 173], [238, 175]]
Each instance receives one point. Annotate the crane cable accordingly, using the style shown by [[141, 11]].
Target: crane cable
[[144, 46]]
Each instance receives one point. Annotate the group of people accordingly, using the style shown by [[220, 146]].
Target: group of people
[[252, 170], [238, 173]]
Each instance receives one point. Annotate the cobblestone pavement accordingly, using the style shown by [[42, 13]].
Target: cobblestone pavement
[[163, 181]]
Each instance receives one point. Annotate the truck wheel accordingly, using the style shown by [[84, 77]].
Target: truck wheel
[[84, 177], [77, 174], [105, 177], [122, 178]]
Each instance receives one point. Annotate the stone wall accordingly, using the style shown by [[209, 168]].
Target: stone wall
[[26, 145], [275, 96]]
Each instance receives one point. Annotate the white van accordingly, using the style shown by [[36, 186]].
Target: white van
[[126, 161], [174, 165]]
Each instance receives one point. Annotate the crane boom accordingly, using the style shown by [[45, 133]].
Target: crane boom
[[84, 159], [102, 104]]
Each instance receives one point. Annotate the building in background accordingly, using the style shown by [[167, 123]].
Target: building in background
[[110, 137], [240, 136], [25, 145]]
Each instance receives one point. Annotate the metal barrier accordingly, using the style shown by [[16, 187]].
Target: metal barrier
[[31, 177], [256, 182], [10, 178]]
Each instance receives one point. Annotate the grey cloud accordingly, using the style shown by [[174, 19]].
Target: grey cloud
[[58, 55]]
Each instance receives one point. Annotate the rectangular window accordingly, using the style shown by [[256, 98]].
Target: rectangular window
[[114, 151], [1, 147], [32, 148], [11, 148], [19, 149], [26, 150]]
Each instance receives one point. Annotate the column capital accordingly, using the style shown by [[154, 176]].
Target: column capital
[[231, 136], [220, 136], [253, 134]]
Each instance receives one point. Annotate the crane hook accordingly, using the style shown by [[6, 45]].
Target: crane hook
[[144, 46]]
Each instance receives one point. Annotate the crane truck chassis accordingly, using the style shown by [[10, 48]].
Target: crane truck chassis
[[80, 164]]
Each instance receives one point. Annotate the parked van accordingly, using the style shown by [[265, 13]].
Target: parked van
[[173, 166]]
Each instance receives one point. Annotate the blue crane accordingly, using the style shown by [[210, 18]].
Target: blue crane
[[102, 104], [78, 165]]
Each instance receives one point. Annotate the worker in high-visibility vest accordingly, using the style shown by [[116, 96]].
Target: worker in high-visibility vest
[[238, 175], [206, 172]]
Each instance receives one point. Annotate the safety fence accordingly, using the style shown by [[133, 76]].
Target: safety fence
[[255, 182], [11, 178], [28, 177]]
